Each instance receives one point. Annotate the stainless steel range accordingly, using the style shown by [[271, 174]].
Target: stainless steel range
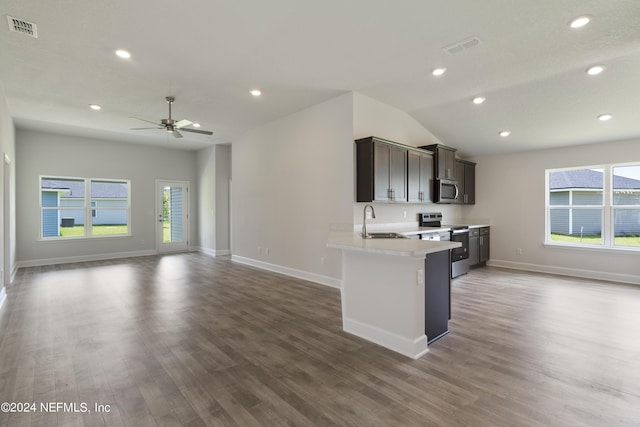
[[458, 233]]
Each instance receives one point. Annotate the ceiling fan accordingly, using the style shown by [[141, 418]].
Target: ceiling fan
[[171, 125]]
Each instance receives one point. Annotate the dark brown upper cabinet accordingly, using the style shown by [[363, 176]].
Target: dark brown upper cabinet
[[444, 160], [466, 178], [420, 173], [381, 171]]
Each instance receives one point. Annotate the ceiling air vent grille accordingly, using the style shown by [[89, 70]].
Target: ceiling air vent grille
[[21, 26], [461, 45]]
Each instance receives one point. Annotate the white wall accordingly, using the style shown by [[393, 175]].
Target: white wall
[[7, 198], [292, 178], [510, 190], [39, 153]]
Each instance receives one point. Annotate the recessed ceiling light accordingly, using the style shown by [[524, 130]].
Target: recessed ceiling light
[[123, 54], [605, 117], [438, 71], [479, 100], [595, 70], [504, 133], [255, 92], [580, 21], [196, 125], [95, 107]]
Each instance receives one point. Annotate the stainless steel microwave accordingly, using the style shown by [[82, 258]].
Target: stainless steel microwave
[[446, 191]]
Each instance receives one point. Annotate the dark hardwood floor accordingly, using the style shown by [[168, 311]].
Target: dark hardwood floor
[[191, 340]]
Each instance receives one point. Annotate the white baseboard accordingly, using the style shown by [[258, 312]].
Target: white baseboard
[[3, 295], [405, 346], [564, 271], [83, 258], [287, 271], [214, 252]]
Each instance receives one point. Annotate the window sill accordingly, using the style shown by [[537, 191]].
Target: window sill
[[76, 238], [593, 248]]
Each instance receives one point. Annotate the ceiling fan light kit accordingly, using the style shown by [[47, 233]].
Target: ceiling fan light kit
[[171, 125]]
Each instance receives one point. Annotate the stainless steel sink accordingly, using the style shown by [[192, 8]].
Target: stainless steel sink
[[385, 236]]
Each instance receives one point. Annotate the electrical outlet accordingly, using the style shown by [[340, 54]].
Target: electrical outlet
[[368, 214], [266, 251], [518, 251], [404, 214], [322, 260], [420, 277]]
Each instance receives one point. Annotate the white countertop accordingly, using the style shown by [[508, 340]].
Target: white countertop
[[352, 241]]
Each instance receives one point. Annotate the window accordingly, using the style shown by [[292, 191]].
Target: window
[[67, 212], [594, 207]]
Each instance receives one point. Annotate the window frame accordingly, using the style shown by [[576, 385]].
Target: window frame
[[88, 209], [608, 211]]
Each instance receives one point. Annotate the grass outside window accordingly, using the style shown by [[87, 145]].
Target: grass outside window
[[633, 241], [98, 230]]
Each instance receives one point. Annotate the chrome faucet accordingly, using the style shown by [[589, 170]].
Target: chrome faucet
[[364, 219]]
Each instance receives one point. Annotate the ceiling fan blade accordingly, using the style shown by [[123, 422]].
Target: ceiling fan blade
[[204, 132], [144, 128], [182, 123], [176, 134], [144, 120]]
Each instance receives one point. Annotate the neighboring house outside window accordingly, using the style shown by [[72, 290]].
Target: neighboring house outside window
[[594, 206], [64, 207]]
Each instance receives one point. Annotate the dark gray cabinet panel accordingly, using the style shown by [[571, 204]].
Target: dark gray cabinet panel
[[420, 173]]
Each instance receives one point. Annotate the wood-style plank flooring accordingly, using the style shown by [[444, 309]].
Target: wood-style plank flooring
[[191, 340]]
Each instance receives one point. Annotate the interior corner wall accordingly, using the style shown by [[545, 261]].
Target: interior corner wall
[[223, 198], [510, 191], [40, 153], [292, 179], [214, 175], [8, 199], [206, 160]]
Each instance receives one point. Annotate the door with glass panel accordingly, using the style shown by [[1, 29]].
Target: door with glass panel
[[172, 216]]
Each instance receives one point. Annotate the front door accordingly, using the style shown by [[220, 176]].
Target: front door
[[172, 216]]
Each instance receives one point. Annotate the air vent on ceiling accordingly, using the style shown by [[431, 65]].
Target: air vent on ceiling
[[461, 45], [21, 26]]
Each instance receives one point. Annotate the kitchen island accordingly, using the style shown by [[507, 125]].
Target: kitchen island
[[383, 287]]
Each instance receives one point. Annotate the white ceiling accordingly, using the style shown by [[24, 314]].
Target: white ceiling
[[208, 54]]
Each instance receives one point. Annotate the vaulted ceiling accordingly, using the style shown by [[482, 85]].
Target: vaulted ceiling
[[522, 56]]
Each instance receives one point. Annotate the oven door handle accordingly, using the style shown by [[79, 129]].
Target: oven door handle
[[457, 191]]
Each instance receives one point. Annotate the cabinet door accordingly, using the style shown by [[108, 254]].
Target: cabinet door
[[381, 185], [414, 174], [469, 184], [484, 244], [474, 250], [398, 174], [426, 178], [449, 163], [420, 177]]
